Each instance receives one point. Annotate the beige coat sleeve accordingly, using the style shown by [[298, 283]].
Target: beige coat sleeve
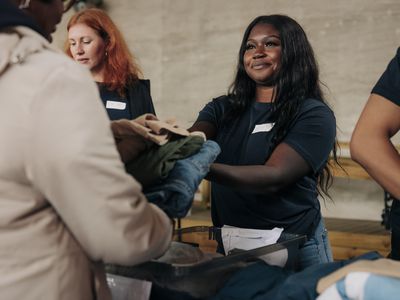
[[73, 162]]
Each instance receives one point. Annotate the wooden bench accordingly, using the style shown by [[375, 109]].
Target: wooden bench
[[349, 237], [350, 169]]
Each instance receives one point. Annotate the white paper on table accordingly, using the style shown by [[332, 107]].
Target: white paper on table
[[247, 239]]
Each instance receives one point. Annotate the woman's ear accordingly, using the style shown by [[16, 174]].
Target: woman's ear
[[107, 46]]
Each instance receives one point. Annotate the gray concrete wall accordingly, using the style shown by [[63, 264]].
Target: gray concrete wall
[[188, 48]]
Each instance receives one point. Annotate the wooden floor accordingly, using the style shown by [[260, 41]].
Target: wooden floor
[[348, 238]]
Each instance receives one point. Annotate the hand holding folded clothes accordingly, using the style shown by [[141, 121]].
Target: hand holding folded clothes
[[166, 159], [133, 137]]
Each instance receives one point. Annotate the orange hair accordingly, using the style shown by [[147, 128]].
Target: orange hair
[[120, 66]]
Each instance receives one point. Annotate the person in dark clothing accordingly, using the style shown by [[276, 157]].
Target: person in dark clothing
[[67, 205], [95, 41], [371, 144], [276, 133]]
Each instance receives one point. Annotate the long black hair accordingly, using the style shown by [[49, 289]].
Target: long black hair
[[296, 81]]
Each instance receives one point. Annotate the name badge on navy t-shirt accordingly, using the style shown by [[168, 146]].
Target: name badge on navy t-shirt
[[115, 105], [266, 127]]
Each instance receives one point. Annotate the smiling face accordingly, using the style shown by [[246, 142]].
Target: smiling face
[[87, 47], [262, 58]]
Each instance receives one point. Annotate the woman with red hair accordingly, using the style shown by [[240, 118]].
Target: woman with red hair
[[95, 41]]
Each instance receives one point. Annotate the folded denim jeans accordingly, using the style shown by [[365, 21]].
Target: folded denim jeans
[[175, 194]]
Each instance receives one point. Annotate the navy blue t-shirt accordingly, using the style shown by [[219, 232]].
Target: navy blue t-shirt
[[388, 86], [136, 102], [117, 107], [246, 141]]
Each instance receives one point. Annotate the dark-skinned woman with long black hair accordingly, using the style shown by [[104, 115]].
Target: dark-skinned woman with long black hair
[[276, 133]]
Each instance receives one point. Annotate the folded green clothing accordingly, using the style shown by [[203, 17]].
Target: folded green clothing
[[155, 164]]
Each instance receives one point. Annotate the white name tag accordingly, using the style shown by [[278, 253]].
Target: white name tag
[[263, 127], [115, 105]]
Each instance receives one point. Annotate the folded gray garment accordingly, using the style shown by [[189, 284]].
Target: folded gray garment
[[182, 254]]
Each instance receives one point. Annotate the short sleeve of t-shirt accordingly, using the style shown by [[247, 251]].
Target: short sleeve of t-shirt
[[388, 85], [213, 111], [313, 133]]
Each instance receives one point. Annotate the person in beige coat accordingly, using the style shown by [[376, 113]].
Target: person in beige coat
[[66, 203]]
